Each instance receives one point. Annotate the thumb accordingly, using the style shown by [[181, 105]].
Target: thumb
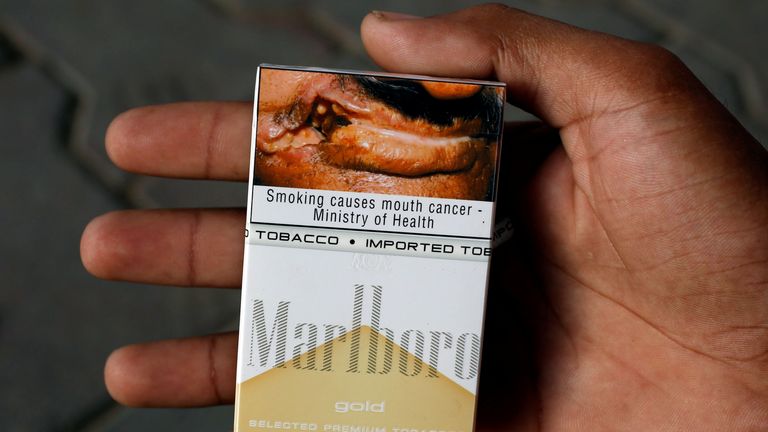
[[559, 72], [658, 174], [644, 138]]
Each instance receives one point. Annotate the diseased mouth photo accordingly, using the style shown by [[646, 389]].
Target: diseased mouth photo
[[365, 133]]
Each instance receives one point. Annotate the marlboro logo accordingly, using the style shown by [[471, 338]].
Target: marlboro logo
[[371, 347]]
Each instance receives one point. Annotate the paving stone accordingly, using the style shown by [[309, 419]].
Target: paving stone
[[599, 15], [218, 419], [159, 192], [58, 324], [8, 54], [732, 34]]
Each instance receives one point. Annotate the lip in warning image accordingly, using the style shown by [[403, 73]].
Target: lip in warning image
[[379, 134]]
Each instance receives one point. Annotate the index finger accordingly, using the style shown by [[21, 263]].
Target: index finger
[[209, 140]]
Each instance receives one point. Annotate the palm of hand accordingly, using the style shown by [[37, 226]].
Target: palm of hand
[[642, 307]]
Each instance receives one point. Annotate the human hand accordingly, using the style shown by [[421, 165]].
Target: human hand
[[635, 298]]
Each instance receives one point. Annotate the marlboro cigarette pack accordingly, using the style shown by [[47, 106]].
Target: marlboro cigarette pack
[[367, 245]]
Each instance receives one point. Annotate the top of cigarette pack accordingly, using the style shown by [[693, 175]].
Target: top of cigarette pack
[[382, 74]]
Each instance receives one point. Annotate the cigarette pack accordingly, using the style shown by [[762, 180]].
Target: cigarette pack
[[367, 245]]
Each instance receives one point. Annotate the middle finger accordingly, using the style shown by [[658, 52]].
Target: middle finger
[[168, 247]]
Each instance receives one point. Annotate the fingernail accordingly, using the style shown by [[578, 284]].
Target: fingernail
[[393, 16]]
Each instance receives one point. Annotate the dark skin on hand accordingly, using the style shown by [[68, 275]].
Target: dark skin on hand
[[634, 295]]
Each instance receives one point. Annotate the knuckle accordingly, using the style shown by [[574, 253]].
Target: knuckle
[[633, 71], [660, 69], [660, 57]]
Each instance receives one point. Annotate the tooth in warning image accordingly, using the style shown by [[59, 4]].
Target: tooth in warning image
[[380, 134]]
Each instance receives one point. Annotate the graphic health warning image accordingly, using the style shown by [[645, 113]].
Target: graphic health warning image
[[380, 134]]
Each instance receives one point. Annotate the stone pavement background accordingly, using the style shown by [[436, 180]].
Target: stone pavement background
[[67, 68]]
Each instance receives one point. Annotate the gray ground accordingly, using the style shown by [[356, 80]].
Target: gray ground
[[67, 68]]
